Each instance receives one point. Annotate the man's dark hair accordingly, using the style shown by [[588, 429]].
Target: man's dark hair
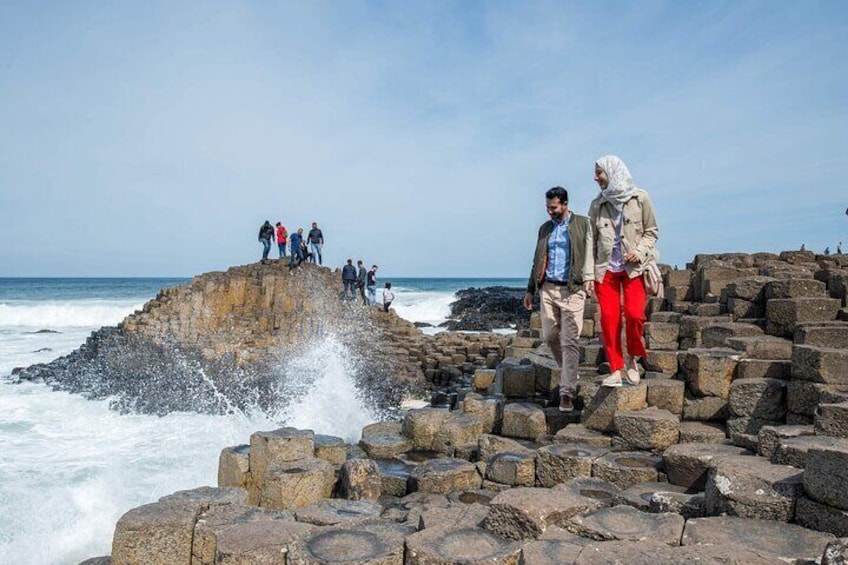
[[558, 192], [350, 262]]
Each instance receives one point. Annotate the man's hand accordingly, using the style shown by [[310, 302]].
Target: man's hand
[[588, 287], [528, 301]]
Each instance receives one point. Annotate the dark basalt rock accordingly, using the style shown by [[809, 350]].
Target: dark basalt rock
[[488, 308]]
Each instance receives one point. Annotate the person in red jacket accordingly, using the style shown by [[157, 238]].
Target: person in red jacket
[[282, 234]]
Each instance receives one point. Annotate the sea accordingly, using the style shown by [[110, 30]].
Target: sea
[[70, 467]]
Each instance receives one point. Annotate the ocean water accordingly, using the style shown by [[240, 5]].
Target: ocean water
[[70, 467]]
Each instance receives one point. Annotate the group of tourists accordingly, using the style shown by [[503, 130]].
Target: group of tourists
[[357, 278], [300, 248], [612, 253]]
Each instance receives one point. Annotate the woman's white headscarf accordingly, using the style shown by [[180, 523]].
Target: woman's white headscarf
[[621, 187]]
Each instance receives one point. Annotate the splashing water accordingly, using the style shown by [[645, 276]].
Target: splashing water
[[326, 399]]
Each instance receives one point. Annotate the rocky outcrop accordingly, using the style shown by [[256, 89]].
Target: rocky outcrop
[[224, 341], [488, 308]]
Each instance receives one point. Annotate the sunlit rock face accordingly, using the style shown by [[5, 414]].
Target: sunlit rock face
[[230, 340]]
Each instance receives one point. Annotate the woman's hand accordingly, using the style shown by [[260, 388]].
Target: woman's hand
[[632, 257]]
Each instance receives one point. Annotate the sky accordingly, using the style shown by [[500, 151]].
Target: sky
[[154, 138]]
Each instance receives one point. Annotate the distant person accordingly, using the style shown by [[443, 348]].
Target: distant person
[[827, 250], [316, 241], [625, 232], [839, 248], [266, 232], [305, 254], [295, 241], [388, 297], [803, 247], [282, 235], [349, 281], [562, 272], [371, 285], [361, 275]]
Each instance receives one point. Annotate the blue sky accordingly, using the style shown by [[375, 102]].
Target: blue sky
[[152, 139]]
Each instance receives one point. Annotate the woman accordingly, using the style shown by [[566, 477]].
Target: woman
[[625, 233]]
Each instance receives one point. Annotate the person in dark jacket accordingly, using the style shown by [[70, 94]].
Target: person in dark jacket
[[295, 240], [316, 240], [349, 281], [371, 285], [563, 271], [266, 232], [361, 275]]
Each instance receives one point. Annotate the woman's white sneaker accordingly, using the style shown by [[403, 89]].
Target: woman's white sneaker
[[612, 380], [633, 377]]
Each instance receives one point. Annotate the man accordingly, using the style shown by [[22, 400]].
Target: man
[[360, 280], [266, 232], [316, 240], [371, 285], [349, 280], [295, 240], [563, 271]]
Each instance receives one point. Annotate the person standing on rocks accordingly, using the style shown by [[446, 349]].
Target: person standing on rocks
[[349, 281], [316, 240], [266, 232], [371, 285], [388, 297], [361, 276], [282, 235], [563, 271], [295, 241], [625, 232]]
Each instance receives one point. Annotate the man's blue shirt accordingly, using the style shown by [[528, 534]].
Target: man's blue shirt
[[559, 252]]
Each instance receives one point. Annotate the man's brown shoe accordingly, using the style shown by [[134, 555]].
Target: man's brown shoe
[[565, 404]]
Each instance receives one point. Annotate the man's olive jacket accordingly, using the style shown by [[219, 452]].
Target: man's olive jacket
[[582, 266]]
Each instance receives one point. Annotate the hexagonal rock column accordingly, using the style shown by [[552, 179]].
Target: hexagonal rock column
[[234, 466], [580, 435], [523, 420], [784, 314], [627, 468], [458, 431], [550, 551], [627, 523], [764, 399], [360, 479], [832, 420], [820, 365], [661, 335], [687, 505], [338, 512], [455, 517], [471, 546], [423, 424], [444, 475], [488, 445], [394, 476], [770, 437], [384, 440], [604, 492], [709, 372], [702, 432], [560, 463], [378, 543], [752, 487], [651, 428], [644, 552], [487, 408], [513, 469], [666, 394], [236, 533], [331, 449], [599, 413], [762, 347], [526, 512], [821, 517], [688, 464], [156, 534], [284, 444], [826, 475], [783, 543], [639, 496], [291, 484], [794, 450], [717, 335]]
